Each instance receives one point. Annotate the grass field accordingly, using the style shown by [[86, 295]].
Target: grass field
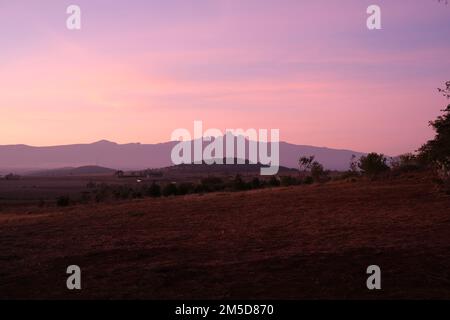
[[296, 242]]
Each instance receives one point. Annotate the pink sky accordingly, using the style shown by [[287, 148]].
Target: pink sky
[[140, 69]]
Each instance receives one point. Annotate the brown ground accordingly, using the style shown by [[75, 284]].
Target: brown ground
[[297, 242]]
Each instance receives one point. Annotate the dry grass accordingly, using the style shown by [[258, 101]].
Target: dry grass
[[297, 242]]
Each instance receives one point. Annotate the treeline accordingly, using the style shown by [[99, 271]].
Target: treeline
[[373, 166], [433, 156], [310, 171], [109, 192]]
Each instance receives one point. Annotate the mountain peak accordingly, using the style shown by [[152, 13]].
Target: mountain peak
[[104, 142]]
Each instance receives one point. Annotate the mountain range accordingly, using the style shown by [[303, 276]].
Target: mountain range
[[136, 156]]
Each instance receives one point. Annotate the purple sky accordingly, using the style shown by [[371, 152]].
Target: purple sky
[[140, 69]]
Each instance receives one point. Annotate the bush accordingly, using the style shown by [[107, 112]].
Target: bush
[[406, 163], [170, 190], [373, 164], [201, 188], [154, 190], [349, 174], [63, 201], [308, 180], [239, 184], [120, 192], [446, 185], [210, 184], [85, 196], [212, 181], [318, 174], [274, 181], [136, 194], [185, 188], [288, 181], [103, 192], [256, 183]]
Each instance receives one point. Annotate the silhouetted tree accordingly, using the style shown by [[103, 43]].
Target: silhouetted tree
[[317, 171], [305, 163], [446, 90], [437, 151], [373, 164]]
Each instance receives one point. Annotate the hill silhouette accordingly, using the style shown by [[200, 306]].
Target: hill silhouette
[[137, 156]]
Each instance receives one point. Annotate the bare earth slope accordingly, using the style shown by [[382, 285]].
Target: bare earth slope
[[298, 242]]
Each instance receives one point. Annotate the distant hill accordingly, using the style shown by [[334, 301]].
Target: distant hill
[[80, 171], [136, 156]]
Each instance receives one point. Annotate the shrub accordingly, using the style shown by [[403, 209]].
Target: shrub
[[288, 181], [256, 183], [85, 196], [200, 188], [103, 191], [136, 194], [446, 185], [308, 180], [348, 175], [274, 181], [120, 192], [318, 174], [185, 188], [373, 164], [154, 190], [239, 184], [210, 184], [212, 180], [63, 201], [407, 163], [170, 190]]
